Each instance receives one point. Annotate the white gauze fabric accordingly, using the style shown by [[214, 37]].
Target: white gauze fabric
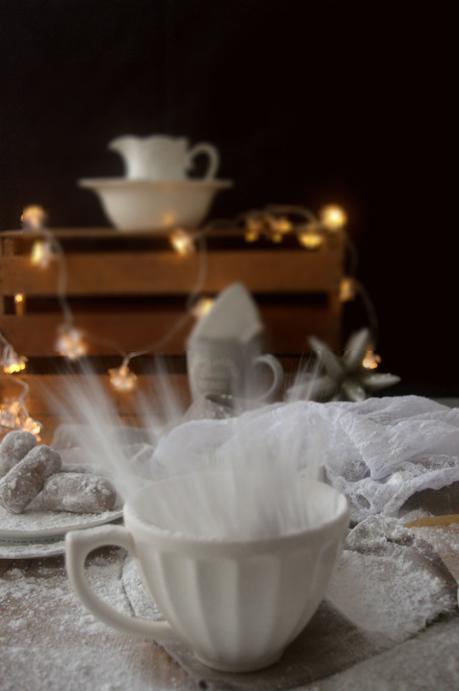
[[379, 452]]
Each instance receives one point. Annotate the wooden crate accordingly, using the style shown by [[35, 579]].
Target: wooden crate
[[131, 288]]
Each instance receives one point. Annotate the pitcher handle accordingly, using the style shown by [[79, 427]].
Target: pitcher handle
[[211, 152], [277, 371], [78, 544]]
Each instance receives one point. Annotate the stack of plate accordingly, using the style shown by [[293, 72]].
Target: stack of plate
[[34, 534]]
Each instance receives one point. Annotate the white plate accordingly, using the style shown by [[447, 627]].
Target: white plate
[[35, 525], [31, 550]]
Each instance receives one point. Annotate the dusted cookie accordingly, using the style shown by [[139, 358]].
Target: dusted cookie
[[25, 480], [77, 493], [15, 445]]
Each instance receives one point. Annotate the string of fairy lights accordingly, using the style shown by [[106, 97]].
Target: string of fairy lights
[[272, 224]]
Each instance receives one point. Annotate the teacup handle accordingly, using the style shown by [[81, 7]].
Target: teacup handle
[[78, 544], [212, 154], [277, 371]]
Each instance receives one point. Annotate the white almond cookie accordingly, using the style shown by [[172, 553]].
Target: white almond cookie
[[25, 480], [76, 493], [15, 445]]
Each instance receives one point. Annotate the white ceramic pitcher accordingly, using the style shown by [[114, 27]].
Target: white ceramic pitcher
[[160, 157]]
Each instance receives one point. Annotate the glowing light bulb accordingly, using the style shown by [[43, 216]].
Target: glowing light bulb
[[14, 415], [122, 379], [276, 237], [33, 217], [202, 307], [346, 289], [9, 412], [254, 228], [281, 225], [251, 235], [272, 233], [11, 362], [182, 242], [19, 304], [71, 344], [333, 217], [29, 424], [41, 254], [371, 359], [310, 238]]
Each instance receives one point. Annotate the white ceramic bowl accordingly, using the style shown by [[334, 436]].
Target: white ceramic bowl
[[238, 604], [145, 205]]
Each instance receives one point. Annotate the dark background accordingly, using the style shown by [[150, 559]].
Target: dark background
[[309, 102]]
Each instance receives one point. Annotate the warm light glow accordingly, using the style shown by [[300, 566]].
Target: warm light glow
[[202, 307], [33, 217], [251, 235], [33, 426], [9, 414], [169, 219], [11, 362], [371, 359], [19, 304], [71, 343], [14, 415], [333, 217], [310, 238], [122, 379], [18, 365], [276, 237], [346, 289], [182, 242], [254, 228], [282, 225], [41, 254]]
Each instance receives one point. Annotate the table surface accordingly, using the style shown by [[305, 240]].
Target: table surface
[[49, 641]]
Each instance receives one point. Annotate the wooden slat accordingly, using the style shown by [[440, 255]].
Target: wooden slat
[[288, 327], [160, 273], [107, 233], [40, 385], [34, 335], [63, 233]]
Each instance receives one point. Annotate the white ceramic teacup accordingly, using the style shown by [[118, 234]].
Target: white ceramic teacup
[[226, 352], [160, 157], [237, 604], [227, 367]]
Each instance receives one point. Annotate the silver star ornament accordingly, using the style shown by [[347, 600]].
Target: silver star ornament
[[342, 378]]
